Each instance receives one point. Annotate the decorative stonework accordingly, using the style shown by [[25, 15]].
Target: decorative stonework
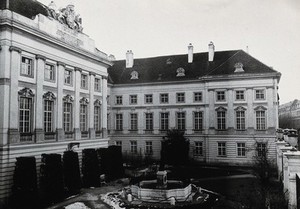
[[61, 63], [68, 98], [66, 16], [180, 72], [49, 96], [260, 108], [240, 109], [239, 68], [97, 102], [84, 101], [26, 92], [78, 69], [40, 57], [134, 75], [221, 109], [14, 48]]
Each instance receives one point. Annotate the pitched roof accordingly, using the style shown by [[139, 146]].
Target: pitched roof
[[164, 68]]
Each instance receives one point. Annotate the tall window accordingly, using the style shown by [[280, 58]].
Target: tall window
[[83, 118], [97, 85], [221, 149], [119, 122], [221, 120], [148, 98], [239, 95], [180, 97], [25, 111], [240, 119], [221, 96], [197, 96], [27, 67], [67, 117], [133, 121], [199, 148], [48, 116], [133, 147], [97, 118], [181, 120], [261, 149], [261, 120], [164, 98], [149, 121], [198, 118], [68, 77], [260, 94], [133, 99], [164, 121], [84, 81], [49, 72], [119, 100], [241, 149], [149, 150]]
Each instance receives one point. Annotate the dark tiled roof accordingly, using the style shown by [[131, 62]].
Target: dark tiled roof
[[163, 69]]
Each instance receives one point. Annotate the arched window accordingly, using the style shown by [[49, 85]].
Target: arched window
[[134, 75]]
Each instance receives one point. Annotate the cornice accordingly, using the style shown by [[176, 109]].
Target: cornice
[[93, 74], [38, 56], [77, 69], [61, 63]]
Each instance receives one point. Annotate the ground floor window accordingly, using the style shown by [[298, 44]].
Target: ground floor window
[[199, 148], [221, 149], [133, 147], [149, 150], [241, 149], [261, 149]]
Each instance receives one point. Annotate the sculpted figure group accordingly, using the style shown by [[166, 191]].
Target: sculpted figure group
[[66, 16]]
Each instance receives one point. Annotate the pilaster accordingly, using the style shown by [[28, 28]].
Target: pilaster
[[250, 112], [104, 107], [39, 133], [91, 106], [230, 112], [60, 86], [15, 61], [77, 132]]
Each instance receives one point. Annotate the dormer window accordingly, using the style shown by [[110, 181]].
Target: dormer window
[[180, 72], [238, 68], [134, 75]]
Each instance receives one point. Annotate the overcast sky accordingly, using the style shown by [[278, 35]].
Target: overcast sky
[[271, 29]]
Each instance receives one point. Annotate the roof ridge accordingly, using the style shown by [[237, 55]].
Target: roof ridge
[[223, 63]]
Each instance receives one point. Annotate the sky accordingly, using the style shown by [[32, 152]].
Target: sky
[[270, 29]]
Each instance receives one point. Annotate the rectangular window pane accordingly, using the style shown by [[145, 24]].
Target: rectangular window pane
[[180, 97], [119, 122], [148, 150], [133, 147], [83, 118], [240, 120], [67, 117], [25, 115], [68, 77], [221, 120], [198, 121], [133, 121], [181, 120], [239, 95], [164, 121], [198, 96], [97, 85], [119, 100], [164, 98], [241, 149], [221, 149], [148, 98], [48, 112], [198, 148], [133, 99], [221, 96], [97, 118], [149, 121], [27, 66], [260, 120]]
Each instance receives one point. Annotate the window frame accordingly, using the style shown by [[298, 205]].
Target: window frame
[[54, 72], [180, 97], [31, 75], [133, 147], [181, 121], [148, 148], [84, 81], [48, 122], [148, 98], [133, 122], [241, 150], [133, 99], [238, 95], [198, 151], [149, 121], [164, 98], [97, 85], [119, 122], [119, 100], [261, 149], [68, 76], [83, 117], [68, 124], [261, 121], [197, 95], [240, 120], [258, 94], [222, 151], [164, 122], [97, 118], [221, 98], [198, 121], [221, 120]]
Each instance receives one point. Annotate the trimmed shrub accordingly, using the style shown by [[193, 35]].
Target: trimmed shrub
[[90, 168]]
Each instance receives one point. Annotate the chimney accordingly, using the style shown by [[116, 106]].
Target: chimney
[[211, 51], [129, 59], [190, 53]]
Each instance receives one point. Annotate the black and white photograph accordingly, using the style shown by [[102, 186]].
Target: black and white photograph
[[149, 104]]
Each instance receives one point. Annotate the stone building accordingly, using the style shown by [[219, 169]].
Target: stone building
[[53, 88], [225, 101], [289, 114]]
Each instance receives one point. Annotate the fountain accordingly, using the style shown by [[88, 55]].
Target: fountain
[[161, 193]]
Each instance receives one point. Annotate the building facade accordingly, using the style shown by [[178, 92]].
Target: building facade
[[226, 103], [53, 89], [289, 115]]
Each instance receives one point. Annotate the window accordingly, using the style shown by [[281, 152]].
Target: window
[[260, 120], [97, 85], [260, 94], [119, 143], [148, 98], [197, 96], [67, 117], [149, 121], [239, 95], [164, 98], [48, 116], [133, 147], [164, 121], [84, 81], [68, 77], [181, 120], [133, 99], [97, 118], [261, 149], [240, 119], [199, 148], [221, 120], [119, 122], [27, 67], [241, 149], [149, 150], [221, 96], [119, 100], [83, 118], [180, 97], [133, 121], [198, 118], [49, 72], [221, 149], [25, 112]]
